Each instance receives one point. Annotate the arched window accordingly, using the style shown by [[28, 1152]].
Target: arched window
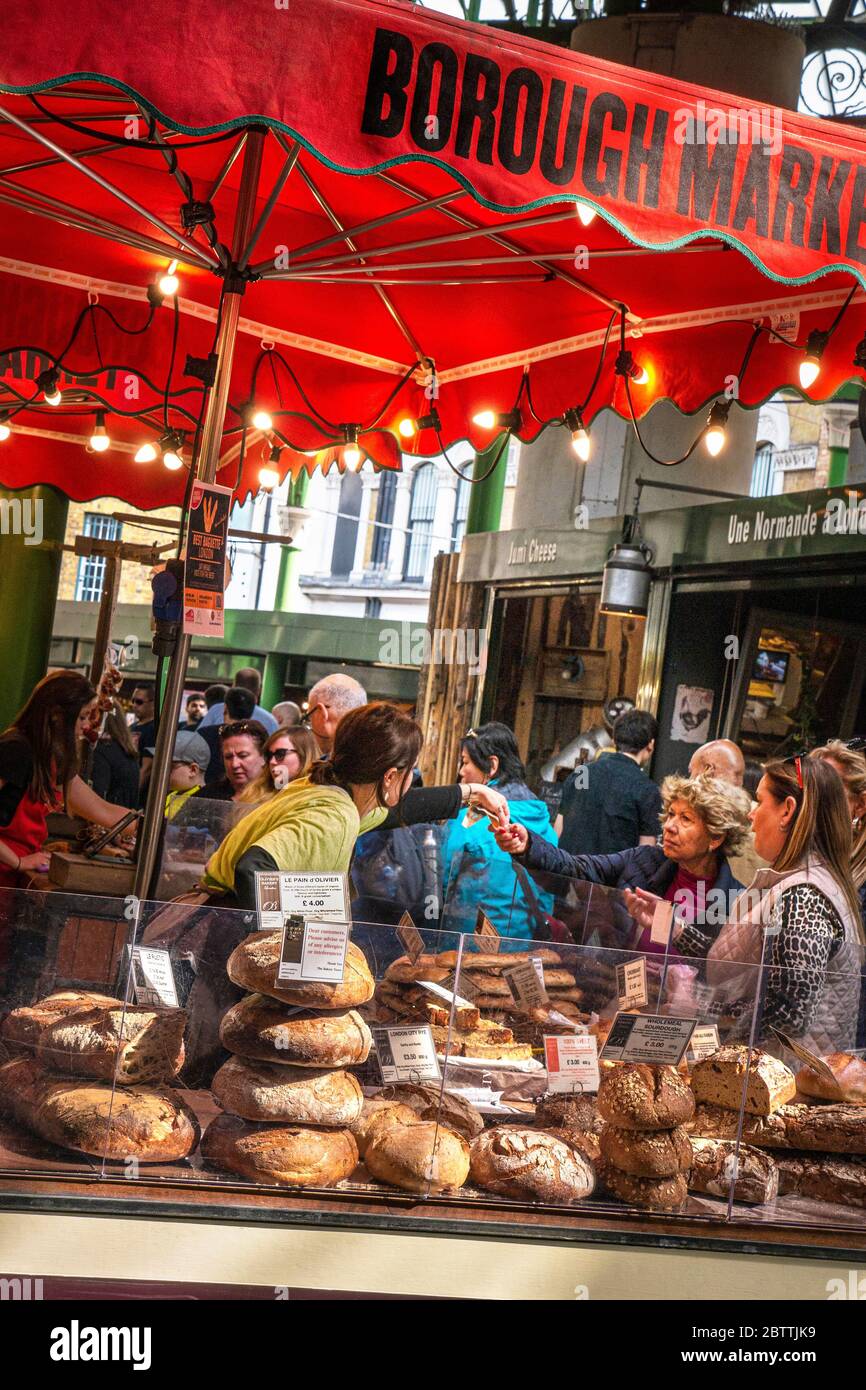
[[384, 519], [422, 509], [762, 472]]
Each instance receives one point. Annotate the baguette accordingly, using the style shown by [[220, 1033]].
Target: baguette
[[487, 960]]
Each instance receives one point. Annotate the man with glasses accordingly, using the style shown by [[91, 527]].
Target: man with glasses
[[331, 698], [143, 730]]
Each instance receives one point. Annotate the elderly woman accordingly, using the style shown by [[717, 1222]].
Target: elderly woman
[[703, 821]]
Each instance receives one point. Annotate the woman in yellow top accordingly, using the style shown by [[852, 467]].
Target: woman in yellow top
[[312, 825]]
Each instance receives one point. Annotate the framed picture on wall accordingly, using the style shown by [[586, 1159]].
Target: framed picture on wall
[[693, 709]]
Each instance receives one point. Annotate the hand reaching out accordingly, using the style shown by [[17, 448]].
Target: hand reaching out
[[512, 838]]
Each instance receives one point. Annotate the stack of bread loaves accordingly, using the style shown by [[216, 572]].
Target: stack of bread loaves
[[645, 1151], [416, 1137], [287, 1096], [89, 1073]]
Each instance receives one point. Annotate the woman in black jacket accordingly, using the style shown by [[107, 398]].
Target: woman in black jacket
[[115, 763]]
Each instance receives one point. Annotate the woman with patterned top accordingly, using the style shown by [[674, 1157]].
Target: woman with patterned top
[[801, 916]]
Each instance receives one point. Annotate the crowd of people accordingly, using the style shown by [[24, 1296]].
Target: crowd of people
[[778, 876]]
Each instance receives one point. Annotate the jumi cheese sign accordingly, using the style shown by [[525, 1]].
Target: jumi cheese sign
[[745, 173]]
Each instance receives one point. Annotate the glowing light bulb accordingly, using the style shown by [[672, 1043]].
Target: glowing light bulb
[[485, 419], [269, 478], [581, 444], [5, 429], [715, 440], [406, 428], [261, 420], [810, 369], [99, 440], [641, 376], [54, 397], [172, 460], [146, 454], [169, 283], [351, 456], [586, 214]]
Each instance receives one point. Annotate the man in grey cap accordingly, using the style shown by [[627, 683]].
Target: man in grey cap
[[189, 764]]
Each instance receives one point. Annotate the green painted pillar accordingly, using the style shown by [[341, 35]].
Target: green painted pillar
[[29, 573], [485, 499], [838, 473], [274, 678], [290, 564]]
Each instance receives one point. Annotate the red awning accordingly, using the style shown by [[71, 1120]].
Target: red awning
[[416, 244]]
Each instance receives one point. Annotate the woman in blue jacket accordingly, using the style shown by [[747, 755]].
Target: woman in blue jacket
[[476, 872]]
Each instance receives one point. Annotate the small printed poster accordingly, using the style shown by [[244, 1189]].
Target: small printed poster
[[486, 932], [153, 980], [313, 950], [654, 1038], [572, 1062], [406, 1054], [320, 896], [693, 708], [631, 984], [205, 561], [703, 1043], [526, 982]]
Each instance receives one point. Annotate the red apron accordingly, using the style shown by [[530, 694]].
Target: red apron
[[25, 834]]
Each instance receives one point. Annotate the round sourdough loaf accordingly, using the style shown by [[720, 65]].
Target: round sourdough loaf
[[422, 1157], [429, 1103], [633, 1095], [253, 965], [585, 1143], [378, 1115], [656, 1194], [657, 1153], [268, 1031], [151, 1124], [569, 1112], [23, 1027], [290, 1155], [130, 1044], [530, 1164], [291, 1095]]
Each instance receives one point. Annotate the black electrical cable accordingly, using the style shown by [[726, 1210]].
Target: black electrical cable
[[121, 141], [468, 476]]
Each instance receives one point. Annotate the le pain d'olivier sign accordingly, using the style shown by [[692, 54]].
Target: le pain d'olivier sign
[[205, 576], [564, 124]]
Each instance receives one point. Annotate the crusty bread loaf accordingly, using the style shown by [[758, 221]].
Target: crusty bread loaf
[[716, 1164], [289, 1155], [422, 1157], [23, 1027], [647, 1154], [149, 1124], [405, 971], [850, 1074], [531, 1165], [654, 1194], [499, 1052], [377, 1114], [587, 1144], [431, 1103], [131, 1044], [569, 1112], [836, 1180], [632, 1095], [821, 1128], [290, 1095], [723, 1077], [254, 963], [487, 960], [267, 1031]]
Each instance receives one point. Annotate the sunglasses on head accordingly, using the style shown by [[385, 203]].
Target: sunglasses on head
[[240, 726]]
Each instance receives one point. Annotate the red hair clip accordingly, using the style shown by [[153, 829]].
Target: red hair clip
[[798, 763]]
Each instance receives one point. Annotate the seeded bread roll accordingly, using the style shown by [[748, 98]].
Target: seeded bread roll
[[267, 1031], [822, 1128], [530, 1164], [569, 1112], [632, 1095], [290, 1095], [422, 1157], [722, 1078], [647, 1154], [716, 1164], [378, 1114], [253, 965], [839, 1181], [429, 1103], [291, 1156], [850, 1074], [654, 1194], [149, 1124]]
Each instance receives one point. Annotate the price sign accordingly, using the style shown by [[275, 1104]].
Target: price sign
[[409, 937], [704, 996], [320, 896], [153, 980], [631, 984], [313, 950], [485, 929], [468, 990], [654, 1038], [663, 917], [572, 1062], [406, 1054], [704, 1042], [814, 1063], [526, 982], [448, 995]]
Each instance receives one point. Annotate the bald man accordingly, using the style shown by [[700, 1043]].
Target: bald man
[[722, 758], [331, 698]]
